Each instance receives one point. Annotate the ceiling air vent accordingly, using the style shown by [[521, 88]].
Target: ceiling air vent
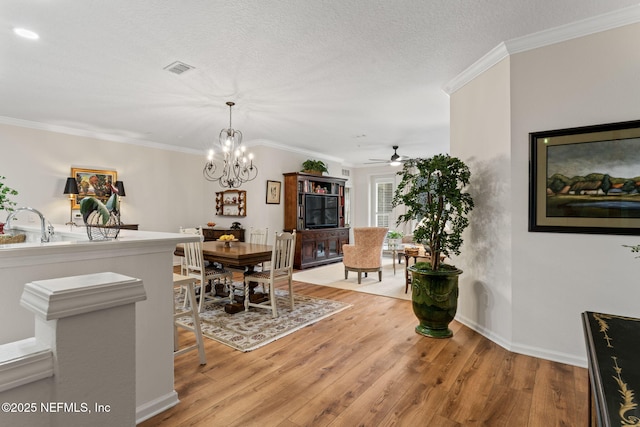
[[345, 172], [178, 67]]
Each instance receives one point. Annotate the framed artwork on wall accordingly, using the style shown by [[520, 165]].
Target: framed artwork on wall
[[93, 183], [273, 192], [586, 180]]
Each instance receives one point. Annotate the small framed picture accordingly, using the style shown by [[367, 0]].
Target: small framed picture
[[273, 192]]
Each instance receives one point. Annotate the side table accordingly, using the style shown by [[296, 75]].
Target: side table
[[407, 276]]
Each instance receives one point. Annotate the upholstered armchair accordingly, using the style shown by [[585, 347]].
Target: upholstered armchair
[[365, 255]]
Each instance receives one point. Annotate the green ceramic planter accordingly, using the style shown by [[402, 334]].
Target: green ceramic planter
[[435, 300]]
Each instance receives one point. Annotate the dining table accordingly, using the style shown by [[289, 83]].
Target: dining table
[[235, 254], [238, 255]]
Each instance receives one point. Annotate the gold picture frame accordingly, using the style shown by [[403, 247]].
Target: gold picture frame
[[96, 183]]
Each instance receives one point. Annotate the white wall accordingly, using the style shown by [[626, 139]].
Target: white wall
[[362, 207], [552, 277], [480, 134], [165, 189]]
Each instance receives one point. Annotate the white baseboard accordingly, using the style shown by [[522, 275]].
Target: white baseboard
[[538, 352], [154, 407]]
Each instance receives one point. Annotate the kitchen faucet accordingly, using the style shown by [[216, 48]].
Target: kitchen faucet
[[47, 232]]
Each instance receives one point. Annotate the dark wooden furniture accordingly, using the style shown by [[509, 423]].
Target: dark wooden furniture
[[407, 275], [231, 203], [318, 247], [122, 226], [314, 246], [215, 233], [614, 371]]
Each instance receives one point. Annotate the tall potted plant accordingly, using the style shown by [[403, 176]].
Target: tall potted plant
[[433, 192]]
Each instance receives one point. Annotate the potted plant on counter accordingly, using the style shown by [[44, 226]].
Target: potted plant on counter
[[433, 193], [6, 202], [315, 167]]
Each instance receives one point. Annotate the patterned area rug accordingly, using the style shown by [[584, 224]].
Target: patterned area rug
[[246, 331]]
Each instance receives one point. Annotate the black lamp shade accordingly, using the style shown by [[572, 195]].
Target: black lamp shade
[[120, 188], [71, 187]]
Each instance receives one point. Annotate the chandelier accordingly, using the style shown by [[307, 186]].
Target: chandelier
[[237, 168]]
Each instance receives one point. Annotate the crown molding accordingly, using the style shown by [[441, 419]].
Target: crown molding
[[149, 144], [272, 144], [490, 59], [103, 136], [585, 27]]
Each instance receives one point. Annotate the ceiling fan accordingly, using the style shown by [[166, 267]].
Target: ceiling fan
[[395, 159]]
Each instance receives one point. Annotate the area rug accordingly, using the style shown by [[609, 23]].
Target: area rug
[[392, 285], [249, 330]]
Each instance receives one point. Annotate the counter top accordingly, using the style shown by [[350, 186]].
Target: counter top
[[76, 236]]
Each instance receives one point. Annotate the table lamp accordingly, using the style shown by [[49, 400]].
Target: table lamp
[[71, 188], [121, 193], [120, 188]]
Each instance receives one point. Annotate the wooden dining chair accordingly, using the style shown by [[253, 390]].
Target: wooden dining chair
[[180, 281], [281, 268], [187, 230], [258, 235], [208, 275]]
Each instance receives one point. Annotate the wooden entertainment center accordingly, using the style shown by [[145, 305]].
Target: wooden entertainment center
[[314, 207]]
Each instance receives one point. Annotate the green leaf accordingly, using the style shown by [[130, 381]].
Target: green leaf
[[91, 204], [113, 204]]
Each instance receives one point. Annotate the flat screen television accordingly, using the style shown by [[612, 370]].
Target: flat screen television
[[320, 211]]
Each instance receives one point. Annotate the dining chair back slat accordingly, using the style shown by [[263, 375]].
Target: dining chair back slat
[[281, 269], [259, 236]]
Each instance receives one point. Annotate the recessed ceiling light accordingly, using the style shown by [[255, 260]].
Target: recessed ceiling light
[[27, 34]]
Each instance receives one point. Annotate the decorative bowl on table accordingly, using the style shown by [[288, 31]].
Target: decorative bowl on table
[[227, 239]]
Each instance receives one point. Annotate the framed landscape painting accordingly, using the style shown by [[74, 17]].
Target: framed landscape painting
[[586, 180], [93, 183]]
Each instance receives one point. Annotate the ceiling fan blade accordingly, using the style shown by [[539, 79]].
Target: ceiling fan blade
[[394, 158]]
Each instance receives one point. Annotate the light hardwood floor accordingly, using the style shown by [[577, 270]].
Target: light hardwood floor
[[365, 366]]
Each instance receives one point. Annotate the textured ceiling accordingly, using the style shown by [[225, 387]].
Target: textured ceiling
[[347, 78]]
